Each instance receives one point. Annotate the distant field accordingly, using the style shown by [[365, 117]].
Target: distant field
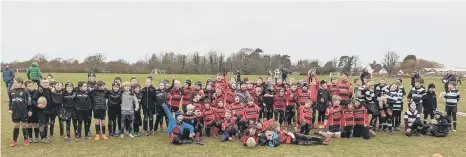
[[382, 145]]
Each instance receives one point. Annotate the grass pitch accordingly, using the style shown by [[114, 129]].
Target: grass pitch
[[158, 145]]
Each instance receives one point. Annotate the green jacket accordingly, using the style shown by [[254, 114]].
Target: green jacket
[[33, 72]]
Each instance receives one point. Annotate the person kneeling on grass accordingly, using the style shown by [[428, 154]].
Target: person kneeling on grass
[[178, 131], [413, 120], [439, 126]]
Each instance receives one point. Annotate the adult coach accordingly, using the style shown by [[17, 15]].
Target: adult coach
[[34, 74], [8, 76], [449, 77]]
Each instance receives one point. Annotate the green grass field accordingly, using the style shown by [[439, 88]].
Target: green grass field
[[158, 145]]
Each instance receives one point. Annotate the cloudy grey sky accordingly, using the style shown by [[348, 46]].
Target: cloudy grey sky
[[312, 30]]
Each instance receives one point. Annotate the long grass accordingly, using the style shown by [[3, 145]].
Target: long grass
[[382, 145]]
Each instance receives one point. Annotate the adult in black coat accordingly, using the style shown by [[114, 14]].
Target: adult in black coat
[[450, 77]]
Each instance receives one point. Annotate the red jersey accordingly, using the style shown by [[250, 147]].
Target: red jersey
[[208, 115], [303, 97], [283, 137], [291, 97], [279, 102], [348, 117], [218, 98], [313, 87], [175, 97], [220, 113], [344, 90], [334, 115], [277, 88], [230, 97], [251, 113], [187, 92], [333, 89], [238, 108], [251, 91], [305, 114], [228, 122], [361, 116]]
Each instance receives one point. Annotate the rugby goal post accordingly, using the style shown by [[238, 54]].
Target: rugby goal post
[[334, 74]]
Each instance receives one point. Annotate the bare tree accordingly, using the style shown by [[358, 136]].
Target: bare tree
[[57, 62], [40, 57], [390, 60], [356, 66], [94, 60]]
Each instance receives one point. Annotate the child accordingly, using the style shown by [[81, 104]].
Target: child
[[305, 118], [430, 103], [279, 105], [187, 92], [129, 104], [345, 90], [412, 120], [69, 105], [268, 101], [417, 94], [44, 113], [20, 109], [334, 115], [250, 88], [392, 97], [137, 113], [347, 121], [439, 129], [219, 118], [114, 109], [237, 107], [398, 106], [174, 98], [51, 80], [291, 98], [83, 105], [372, 107], [33, 119], [251, 112], [208, 115], [452, 97], [270, 138], [286, 137], [323, 98], [361, 121], [333, 86], [178, 131], [190, 118], [99, 106], [117, 80], [133, 80], [257, 96], [229, 127], [250, 134], [55, 107], [148, 97], [304, 95], [160, 98]]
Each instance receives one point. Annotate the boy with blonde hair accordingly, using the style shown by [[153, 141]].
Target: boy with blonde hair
[[129, 104]]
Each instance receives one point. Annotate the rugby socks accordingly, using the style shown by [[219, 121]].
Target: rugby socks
[[36, 133], [25, 134], [30, 133], [61, 128], [15, 134], [97, 129], [103, 129], [151, 124]]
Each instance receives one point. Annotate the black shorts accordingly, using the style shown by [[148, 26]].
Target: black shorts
[[428, 112], [334, 128], [452, 109], [68, 114], [19, 119], [99, 114], [113, 112], [33, 118], [82, 115]]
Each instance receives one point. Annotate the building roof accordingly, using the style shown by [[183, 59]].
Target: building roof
[[444, 69]]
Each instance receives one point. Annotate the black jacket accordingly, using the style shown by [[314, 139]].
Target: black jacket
[[148, 97], [323, 94], [99, 99], [430, 101], [441, 129], [57, 99], [114, 98], [34, 97], [83, 100], [69, 101], [47, 94], [160, 98], [20, 103]]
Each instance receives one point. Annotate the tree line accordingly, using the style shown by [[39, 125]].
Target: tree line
[[249, 60]]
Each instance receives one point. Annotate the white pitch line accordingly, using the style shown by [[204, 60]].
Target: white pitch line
[[461, 114]]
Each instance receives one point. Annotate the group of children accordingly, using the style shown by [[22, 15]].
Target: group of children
[[258, 113]]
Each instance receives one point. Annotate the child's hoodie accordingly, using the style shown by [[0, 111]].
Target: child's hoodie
[[128, 103]]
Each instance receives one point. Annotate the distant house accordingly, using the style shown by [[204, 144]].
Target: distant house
[[443, 71], [376, 69]]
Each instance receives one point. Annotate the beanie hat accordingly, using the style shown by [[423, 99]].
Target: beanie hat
[[431, 85], [91, 74], [188, 82], [198, 83], [178, 113], [437, 112]]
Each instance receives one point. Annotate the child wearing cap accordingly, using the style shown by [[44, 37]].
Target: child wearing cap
[[438, 127]]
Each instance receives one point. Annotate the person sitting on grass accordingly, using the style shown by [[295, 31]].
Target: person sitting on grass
[[20, 109], [438, 127], [412, 120], [178, 131], [286, 137]]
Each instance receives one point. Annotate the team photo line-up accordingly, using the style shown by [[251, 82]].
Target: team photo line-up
[[257, 113]]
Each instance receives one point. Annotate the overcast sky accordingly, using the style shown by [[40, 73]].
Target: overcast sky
[[303, 30]]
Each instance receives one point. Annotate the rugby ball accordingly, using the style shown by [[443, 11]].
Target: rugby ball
[[41, 102]]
